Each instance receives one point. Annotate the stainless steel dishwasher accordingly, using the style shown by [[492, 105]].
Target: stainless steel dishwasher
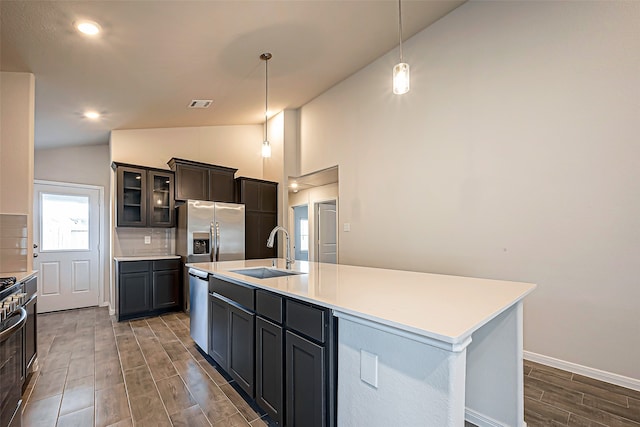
[[199, 308]]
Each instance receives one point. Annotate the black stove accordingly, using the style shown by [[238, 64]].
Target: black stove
[[7, 285]]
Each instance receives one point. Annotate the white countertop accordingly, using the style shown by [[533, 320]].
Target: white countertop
[[446, 308], [20, 276], [145, 257]]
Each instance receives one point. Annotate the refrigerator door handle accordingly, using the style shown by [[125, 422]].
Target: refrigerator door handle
[[212, 239], [217, 241]]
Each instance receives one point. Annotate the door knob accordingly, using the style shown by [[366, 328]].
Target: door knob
[[35, 255], [35, 246]]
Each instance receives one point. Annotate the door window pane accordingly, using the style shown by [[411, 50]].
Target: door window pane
[[65, 222]]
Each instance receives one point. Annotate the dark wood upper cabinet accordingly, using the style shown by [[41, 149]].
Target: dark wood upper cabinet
[[144, 196], [202, 181], [260, 199], [161, 205], [192, 182]]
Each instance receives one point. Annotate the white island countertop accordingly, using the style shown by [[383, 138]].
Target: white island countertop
[[144, 257], [441, 307]]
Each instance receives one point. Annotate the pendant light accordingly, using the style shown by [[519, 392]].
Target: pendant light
[[401, 77], [266, 147]]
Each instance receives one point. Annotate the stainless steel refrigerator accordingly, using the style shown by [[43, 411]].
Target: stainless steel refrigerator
[[207, 231], [210, 231]]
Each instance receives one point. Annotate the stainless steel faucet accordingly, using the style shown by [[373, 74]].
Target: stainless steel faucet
[[271, 238]]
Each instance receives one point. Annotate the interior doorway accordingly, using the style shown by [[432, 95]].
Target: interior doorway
[[301, 232], [66, 228], [327, 232]]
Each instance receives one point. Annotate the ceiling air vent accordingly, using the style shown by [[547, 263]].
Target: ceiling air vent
[[200, 103]]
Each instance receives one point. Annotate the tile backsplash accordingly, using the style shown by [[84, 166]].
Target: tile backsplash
[[13, 243], [131, 241]]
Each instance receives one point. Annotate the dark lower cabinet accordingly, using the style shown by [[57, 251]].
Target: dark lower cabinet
[[219, 331], [146, 288], [280, 351], [305, 382], [269, 363], [135, 293], [241, 347], [231, 340], [165, 292]]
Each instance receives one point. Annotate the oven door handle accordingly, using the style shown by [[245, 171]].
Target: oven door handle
[[11, 330]]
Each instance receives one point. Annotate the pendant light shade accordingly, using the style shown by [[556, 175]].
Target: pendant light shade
[[401, 71], [401, 78], [266, 146]]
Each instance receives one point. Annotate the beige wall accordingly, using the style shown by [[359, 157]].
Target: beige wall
[[231, 146], [514, 156], [88, 165], [17, 100]]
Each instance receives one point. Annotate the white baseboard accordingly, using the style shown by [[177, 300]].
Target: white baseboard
[[112, 311], [480, 420], [597, 374]]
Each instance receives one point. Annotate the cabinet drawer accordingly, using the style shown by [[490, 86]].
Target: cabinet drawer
[[269, 305], [306, 319], [133, 266], [166, 264], [242, 295]]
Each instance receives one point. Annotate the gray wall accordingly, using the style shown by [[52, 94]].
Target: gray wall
[[514, 156]]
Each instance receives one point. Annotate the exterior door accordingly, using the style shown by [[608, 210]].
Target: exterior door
[[66, 245], [327, 235]]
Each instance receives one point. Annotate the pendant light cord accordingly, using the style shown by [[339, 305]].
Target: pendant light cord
[[400, 27], [266, 94]]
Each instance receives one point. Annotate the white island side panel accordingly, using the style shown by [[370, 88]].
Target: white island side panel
[[418, 384]]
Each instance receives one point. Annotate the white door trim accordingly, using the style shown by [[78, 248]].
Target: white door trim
[[101, 301]]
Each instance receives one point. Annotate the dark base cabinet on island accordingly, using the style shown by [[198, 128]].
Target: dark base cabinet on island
[[147, 288], [281, 352]]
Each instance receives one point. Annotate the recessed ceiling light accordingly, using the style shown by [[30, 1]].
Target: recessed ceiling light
[[89, 28], [93, 115]]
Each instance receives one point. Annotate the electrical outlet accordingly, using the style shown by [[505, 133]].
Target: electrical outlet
[[147, 240], [369, 368]]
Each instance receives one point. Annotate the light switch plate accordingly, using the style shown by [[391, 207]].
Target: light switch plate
[[369, 368], [346, 226], [147, 240]]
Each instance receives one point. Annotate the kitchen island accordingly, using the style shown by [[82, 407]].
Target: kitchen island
[[414, 349]]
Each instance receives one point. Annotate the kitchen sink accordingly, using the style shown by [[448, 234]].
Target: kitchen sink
[[265, 273]]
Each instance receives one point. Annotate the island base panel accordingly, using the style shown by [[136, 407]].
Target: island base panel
[[495, 385], [411, 375]]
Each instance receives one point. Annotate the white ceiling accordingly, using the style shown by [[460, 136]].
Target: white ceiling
[[154, 57]]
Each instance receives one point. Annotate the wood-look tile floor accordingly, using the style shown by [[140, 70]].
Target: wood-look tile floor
[[96, 371], [553, 397]]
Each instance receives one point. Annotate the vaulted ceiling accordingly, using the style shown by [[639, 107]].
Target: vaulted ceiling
[[153, 57]]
